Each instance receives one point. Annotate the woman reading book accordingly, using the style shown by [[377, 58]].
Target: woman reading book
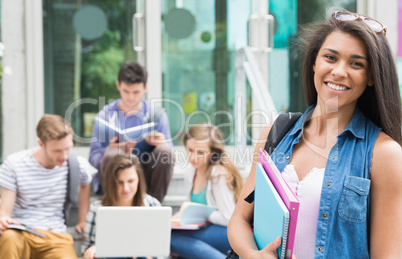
[[342, 157], [213, 180], [125, 187]]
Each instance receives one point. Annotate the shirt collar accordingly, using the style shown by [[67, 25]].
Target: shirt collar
[[300, 122], [356, 126]]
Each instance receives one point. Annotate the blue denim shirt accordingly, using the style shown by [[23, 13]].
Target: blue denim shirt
[[343, 220]]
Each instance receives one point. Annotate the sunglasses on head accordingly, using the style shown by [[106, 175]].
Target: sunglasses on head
[[375, 25]]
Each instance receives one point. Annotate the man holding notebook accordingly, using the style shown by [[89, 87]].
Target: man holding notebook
[[132, 113], [36, 184]]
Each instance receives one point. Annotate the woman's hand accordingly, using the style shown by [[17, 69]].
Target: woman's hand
[[176, 215], [269, 252], [90, 253]]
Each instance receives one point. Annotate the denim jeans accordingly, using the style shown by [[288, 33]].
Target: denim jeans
[[210, 242]]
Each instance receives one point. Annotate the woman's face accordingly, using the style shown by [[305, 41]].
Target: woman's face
[[198, 153], [341, 71], [127, 185]]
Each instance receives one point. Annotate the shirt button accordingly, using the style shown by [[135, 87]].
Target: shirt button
[[333, 158], [325, 215], [320, 248], [328, 184], [287, 157]]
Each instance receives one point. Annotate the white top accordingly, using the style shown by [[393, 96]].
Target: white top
[[308, 190], [218, 194], [41, 192]]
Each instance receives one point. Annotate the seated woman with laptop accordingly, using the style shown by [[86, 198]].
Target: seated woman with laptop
[[125, 187], [213, 180]]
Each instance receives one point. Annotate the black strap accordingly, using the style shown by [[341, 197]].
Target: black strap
[[73, 182], [278, 130]]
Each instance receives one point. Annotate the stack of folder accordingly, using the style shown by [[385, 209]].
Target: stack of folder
[[275, 208]]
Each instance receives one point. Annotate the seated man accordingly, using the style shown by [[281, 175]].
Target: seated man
[[155, 153], [34, 193]]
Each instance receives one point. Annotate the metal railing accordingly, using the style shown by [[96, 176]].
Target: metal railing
[[247, 69]]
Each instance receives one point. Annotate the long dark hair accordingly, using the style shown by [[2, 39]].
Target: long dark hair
[[381, 103], [207, 133], [109, 182]]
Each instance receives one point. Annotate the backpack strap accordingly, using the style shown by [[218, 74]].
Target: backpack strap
[[278, 130], [73, 183]]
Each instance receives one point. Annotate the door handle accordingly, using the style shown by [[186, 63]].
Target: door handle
[[261, 25], [138, 32], [270, 20]]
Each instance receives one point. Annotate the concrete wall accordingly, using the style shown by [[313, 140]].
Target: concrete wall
[[14, 78], [22, 88]]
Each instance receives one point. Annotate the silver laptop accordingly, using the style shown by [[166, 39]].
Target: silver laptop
[[133, 231]]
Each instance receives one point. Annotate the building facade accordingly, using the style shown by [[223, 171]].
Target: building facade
[[62, 57]]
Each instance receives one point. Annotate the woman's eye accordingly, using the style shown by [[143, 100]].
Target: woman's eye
[[357, 64], [329, 57]]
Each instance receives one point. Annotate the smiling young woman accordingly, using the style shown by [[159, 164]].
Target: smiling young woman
[[343, 154]]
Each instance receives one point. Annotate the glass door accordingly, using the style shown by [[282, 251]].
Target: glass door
[[188, 48], [199, 40], [85, 43]]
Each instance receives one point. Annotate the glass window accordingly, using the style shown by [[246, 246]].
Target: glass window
[[85, 43], [199, 41]]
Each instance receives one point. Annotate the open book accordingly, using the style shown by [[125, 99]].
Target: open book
[[108, 130], [192, 216], [24, 228]]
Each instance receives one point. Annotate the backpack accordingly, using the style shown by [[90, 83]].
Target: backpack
[[73, 183], [278, 130]]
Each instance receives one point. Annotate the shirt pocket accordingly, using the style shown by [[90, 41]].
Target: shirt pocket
[[353, 203]]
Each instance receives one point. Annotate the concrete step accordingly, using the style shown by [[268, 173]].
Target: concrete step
[[174, 201], [176, 185]]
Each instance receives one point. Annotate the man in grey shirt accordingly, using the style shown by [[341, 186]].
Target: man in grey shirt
[[34, 189]]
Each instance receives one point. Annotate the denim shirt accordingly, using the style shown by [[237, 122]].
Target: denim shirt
[[343, 219]]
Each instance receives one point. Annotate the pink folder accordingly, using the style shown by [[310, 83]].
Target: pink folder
[[288, 197]]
